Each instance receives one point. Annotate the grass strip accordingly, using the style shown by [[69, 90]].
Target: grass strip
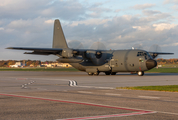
[[168, 88], [164, 70]]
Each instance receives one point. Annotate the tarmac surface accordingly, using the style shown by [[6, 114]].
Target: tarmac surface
[[77, 96]]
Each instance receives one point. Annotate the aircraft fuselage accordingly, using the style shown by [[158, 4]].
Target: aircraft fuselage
[[119, 61]]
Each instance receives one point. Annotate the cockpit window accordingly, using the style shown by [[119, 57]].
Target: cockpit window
[[149, 55], [145, 54], [140, 54]]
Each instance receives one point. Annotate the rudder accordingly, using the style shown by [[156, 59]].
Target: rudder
[[59, 40]]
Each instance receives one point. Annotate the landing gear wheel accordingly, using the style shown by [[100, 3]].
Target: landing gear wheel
[[90, 73], [113, 73], [140, 73], [97, 73], [107, 73]]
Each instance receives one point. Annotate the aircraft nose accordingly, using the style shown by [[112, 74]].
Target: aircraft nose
[[151, 64]]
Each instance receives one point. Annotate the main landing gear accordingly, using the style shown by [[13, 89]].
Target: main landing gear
[[140, 73], [110, 73], [96, 73]]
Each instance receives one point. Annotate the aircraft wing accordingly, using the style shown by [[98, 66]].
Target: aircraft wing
[[155, 54], [162, 53], [64, 52], [38, 51], [48, 51]]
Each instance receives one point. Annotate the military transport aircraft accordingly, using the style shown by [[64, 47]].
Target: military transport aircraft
[[95, 61]]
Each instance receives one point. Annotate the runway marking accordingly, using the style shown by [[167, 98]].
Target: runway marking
[[149, 97], [25, 85], [72, 83], [41, 89], [108, 116], [85, 92], [39, 79], [95, 87], [113, 94], [136, 111], [50, 79], [90, 104], [167, 113], [21, 78]]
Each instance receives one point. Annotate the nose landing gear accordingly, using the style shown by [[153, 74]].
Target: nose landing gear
[[140, 73]]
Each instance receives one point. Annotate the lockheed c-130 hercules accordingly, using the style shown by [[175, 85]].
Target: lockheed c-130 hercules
[[95, 61]]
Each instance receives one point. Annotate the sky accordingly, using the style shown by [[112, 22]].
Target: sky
[[115, 23]]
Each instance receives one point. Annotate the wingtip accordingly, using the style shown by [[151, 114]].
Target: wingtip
[[9, 48]]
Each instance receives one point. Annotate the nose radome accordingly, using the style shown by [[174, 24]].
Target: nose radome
[[151, 64]]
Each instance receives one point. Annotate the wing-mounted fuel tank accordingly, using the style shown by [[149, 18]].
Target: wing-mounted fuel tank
[[67, 53]]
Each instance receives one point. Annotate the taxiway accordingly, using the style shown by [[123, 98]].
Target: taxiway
[[75, 95]]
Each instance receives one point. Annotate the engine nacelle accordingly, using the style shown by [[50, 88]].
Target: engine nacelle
[[67, 53], [97, 57]]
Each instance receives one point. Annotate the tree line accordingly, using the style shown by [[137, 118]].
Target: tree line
[[7, 63], [167, 61]]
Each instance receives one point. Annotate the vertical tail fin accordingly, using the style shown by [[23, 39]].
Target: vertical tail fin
[[59, 40]]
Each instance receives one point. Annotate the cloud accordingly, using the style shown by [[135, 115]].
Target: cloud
[[164, 26], [118, 10], [11, 9], [143, 6], [90, 22], [150, 12], [1, 28], [66, 10], [126, 30], [141, 28], [31, 32], [166, 17], [49, 21], [26, 9], [30, 24], [170, 1], [175, 7], [123, 30], [167, 1], [96, 10]]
